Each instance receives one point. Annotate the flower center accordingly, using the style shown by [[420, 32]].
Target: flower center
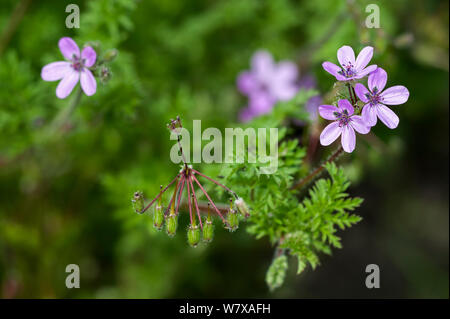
[[348, 70], [343, 118], [77, 63], [374, 97]]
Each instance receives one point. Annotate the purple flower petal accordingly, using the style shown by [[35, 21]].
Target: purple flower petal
[[246, 115], [369, 114], [89, 55], [377, 79], [361, 92], [395, 95], [330, 133], [345, 105], [286, 71], [363, 58], [346, 56], [327, 112], [366, 71], [283, 91], [246, 82], [348, 139], [67, 84], [68, 48], [262, 65], [55, 71], [312, 106], [261, 102], [389, 118], [333, 69], [359, 124], [88, 83]]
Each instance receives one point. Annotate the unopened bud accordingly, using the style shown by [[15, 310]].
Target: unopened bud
[[171, 224], [175, 125], [104, 74], [208, 231], [158, 217], [138, 201], [110, 55], [232, 218], [193, 235], [242, 207]]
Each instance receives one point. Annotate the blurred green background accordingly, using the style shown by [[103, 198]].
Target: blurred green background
[[67, 200]]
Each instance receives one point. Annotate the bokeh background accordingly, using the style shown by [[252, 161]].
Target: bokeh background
[[67, 200]]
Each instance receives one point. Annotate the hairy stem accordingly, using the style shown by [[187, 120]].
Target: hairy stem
[[317, 171], [209, 199], [159, 195], [215, 182], [196, 204]]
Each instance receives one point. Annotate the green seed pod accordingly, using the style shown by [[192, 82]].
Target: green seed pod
[[171, 224], [208, 231], [193, 235], [138, 202], [242, 207], [233, 220], [158, 217]]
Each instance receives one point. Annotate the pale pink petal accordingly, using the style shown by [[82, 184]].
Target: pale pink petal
[[67, 84], [377, 80], [369, 114], [363, 58], [55, 71], [261, 102], [286, 71], [330, 133], [362, 92], [328, 112], [283, 91], [348, 139], [345, 105], [389, 118], [246, 82], [89, 56], [88, 83], [68, 48], [346, 56], [359, 124], [395, 95], [262, 65], [333, 69], [363, 73]]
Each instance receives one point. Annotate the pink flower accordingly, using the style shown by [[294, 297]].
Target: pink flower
[[266, 83], [345, 123], [376, 99], [75, 69], [351, 69]]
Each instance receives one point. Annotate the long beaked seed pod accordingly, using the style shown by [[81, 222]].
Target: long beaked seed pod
[[242, 207], [208, 228], [232, 218], [138, 201]]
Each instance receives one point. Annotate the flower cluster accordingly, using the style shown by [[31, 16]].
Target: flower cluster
[[186, 179], [345, 119]]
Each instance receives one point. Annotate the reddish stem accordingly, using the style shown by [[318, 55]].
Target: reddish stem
[[196, 204], [180, 194], [172, 200], [159, 195], [215, 182], [209, 199], [189, 200]]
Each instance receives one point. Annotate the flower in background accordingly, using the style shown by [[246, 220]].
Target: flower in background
[[308, 82], [75, 69], [266, 83], [351, 69], [376, 99], [345, 123]]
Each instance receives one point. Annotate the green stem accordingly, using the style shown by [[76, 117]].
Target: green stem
[[13, 23], [64, 115]]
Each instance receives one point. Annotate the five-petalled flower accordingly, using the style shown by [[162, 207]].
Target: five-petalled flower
[[75, 69], [375, 99], [345, 124], [351, 69]]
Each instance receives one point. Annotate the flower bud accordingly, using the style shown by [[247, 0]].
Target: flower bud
[[208, 231], [110, 55], [138, 202], [232, 218], [104, 74], [175, 125], [158, 217], [171, 224], [242, 207], [193, 235]]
